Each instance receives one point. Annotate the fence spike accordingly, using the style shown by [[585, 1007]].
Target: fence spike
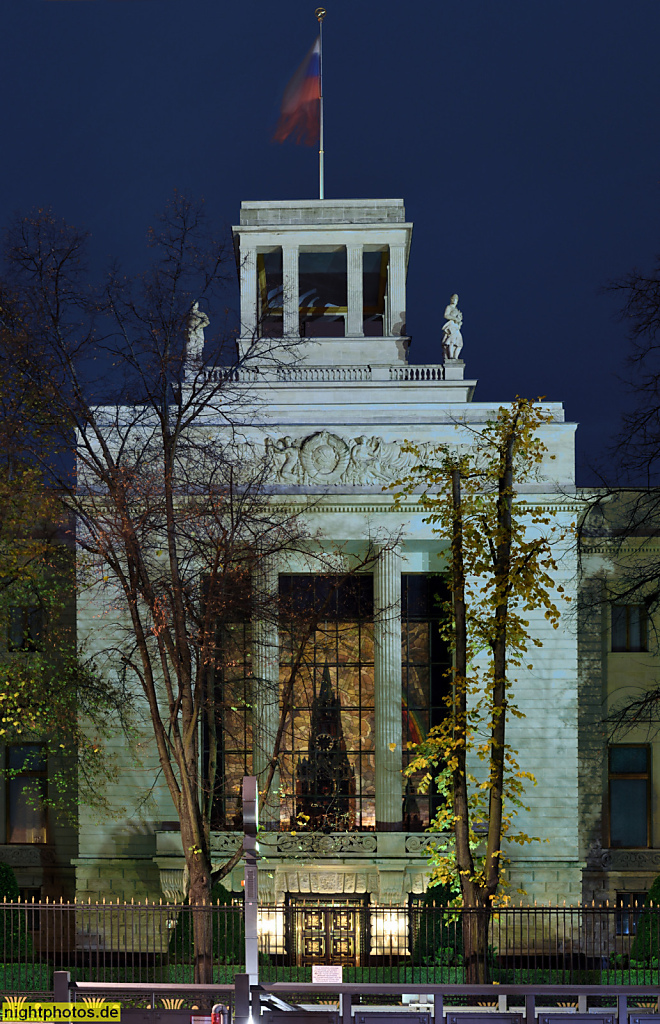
[[131, 901], [104, 901], [89, 901], [60, 899], [161, 901]]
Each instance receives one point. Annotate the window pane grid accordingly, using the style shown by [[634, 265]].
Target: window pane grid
[[629, 628], [233, 686], [629, 796], [425, 665]]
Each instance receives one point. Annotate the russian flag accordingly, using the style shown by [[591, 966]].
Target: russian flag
[[300, 110]]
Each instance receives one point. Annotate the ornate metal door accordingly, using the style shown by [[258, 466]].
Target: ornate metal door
[[327, 932]]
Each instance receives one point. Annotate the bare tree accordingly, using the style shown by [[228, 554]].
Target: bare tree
[[175, 520]]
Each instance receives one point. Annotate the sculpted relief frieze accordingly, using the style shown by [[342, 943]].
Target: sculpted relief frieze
[[325, 458]]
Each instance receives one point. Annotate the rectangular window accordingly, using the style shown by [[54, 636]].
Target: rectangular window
[[629, 910], [327, 762], [26, 793], [323, 293], [270, 291], [233, 728], [425, 661], [24, 628], [629, 632], [629, 795]]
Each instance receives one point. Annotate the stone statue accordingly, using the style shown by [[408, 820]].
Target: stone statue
[[452, 339], [197, 321]]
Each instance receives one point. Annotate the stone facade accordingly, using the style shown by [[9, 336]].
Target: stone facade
[[333, 420]]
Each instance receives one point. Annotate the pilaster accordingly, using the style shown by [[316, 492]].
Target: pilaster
[[355, 316], [265, 684], [291, 290], [397, 290], [387, 630], [248, 279]]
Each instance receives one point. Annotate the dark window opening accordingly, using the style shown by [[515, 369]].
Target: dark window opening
[[629, 910], [629, 796], [323, 293], [26, 784], [426, 661], [629, 627], [24, 628], [230, 734], [270, 291]]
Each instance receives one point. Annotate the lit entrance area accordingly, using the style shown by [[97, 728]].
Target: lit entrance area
[[327, 931]]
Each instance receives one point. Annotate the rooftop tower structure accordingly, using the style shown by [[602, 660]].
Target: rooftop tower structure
[[331, 275]]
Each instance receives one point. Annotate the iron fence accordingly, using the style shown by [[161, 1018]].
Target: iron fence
[[154, 943]]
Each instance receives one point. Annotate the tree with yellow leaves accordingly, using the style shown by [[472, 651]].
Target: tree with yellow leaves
[[501, 567]]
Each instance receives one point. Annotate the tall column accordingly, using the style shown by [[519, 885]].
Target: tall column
[[397, 289], [387, 627], [355, 316], [248, 275], [291, 290], [265, 685]]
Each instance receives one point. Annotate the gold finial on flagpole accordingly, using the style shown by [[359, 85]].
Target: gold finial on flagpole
[[320, 13]]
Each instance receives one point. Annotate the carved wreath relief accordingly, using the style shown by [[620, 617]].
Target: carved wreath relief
[[325, 458]]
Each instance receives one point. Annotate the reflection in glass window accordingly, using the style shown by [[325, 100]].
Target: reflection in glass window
[[26, 793], [233, 729], [327, 763], [270, 290], [425, 663], [629, 910], [24, 628], [322, 282], [629, 795], [629, 627]]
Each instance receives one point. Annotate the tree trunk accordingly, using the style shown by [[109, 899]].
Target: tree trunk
[[475, 944], [199, 899]]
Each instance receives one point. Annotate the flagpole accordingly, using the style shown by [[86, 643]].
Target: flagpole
[[320, 13]]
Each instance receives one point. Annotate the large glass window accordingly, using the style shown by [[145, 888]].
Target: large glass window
[[629, 627], [425, 665], [270, 281], [26, 793], [327, 763], [232, 684], [629, 795], [322, 293]]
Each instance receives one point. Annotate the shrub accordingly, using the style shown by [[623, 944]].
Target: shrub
[[228, 931], [647, 940], [439, 937], [15, 940]]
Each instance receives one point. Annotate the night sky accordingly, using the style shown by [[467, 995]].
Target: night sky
[[522, 134]]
